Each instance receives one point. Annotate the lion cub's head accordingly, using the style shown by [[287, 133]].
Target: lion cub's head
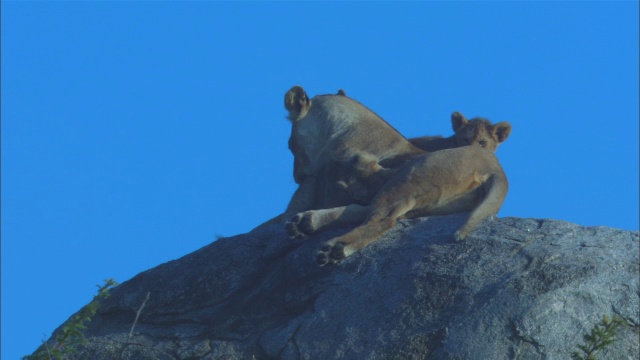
[[479, 131]]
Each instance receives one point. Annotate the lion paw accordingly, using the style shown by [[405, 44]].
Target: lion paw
[[330, 254], [299, 226], [292, 230]]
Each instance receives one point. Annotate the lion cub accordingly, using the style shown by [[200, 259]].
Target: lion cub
[[361, 175], [477, 131], [449, 181]]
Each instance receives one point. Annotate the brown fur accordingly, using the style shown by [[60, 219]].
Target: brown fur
[[477, 131]]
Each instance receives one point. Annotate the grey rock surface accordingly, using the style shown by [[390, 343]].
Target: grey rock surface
[[515, 289]]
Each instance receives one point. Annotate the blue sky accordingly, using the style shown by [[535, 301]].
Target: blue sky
[[134, 133]]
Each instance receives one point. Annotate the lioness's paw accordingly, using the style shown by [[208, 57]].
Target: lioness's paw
[[330, 254]]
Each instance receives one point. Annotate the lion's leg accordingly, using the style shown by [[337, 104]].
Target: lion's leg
[[497, 187], [312, 221], [303, 199], [379, 221]]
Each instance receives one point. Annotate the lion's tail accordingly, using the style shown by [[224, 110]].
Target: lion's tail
[[496, 188]]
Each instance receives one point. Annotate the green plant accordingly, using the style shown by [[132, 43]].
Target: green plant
[[72, 333], [601, 335]]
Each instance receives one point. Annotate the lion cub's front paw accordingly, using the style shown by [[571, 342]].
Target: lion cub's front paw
[[459, 236], [299, 226], [292, 230], [330, 254]]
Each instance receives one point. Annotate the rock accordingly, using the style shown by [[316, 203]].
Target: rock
[[516, 288]]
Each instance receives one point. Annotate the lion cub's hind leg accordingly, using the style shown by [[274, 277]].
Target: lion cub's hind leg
[[309, 222], [381, 219]]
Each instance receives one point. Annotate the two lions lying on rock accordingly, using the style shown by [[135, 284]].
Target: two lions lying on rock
[[352, 167]]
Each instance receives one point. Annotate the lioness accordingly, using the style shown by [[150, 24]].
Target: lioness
[[325, 129], [477, 131]]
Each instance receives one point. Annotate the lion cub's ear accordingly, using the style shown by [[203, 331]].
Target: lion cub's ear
[[458, 121], [502, 130], [297, 102]]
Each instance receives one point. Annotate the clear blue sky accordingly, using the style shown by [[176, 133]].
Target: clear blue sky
[[134, 133]]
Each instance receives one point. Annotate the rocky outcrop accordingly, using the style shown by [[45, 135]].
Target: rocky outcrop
[[515, 289]]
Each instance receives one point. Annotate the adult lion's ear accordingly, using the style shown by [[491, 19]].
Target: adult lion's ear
[[502, 130], [296, 102], [458, 121]]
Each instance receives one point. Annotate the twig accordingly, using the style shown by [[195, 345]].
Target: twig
[[46, 346], [138, 315]]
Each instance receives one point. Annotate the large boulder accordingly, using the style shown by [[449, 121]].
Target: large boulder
[[515, 289]]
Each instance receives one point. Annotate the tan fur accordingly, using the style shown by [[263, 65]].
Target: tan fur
[[478, 131], [325, 131], [456, 180]]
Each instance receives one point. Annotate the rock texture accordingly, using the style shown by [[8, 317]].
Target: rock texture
[[515, 289]]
